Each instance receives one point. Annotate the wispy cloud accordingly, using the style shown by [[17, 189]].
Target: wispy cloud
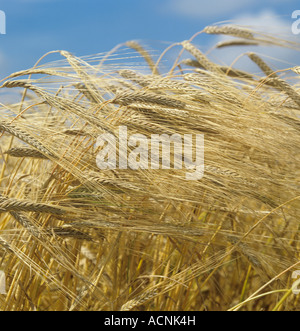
[[266, 22], [207, 9], [214, 9]]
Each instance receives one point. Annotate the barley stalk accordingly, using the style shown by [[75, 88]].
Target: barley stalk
[[126, 98], [25, 152], [245, 250], [133, 76], [27, 224], [94, 177], [262, 65], [232, 72], [139, 300], [237, 42], [230, 30], [200, 57], [85, 91], [66, 232], [136, 46], [24, 136], [60, 103], [75, 132], [86, 78], [9, 204], [283, 85]]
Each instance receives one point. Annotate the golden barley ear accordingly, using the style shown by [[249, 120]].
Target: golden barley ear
[[230, 30], [140, 49], [296, 70]]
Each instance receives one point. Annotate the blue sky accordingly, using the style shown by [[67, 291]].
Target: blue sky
[[35, 27]]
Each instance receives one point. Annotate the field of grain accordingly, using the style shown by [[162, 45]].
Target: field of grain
[[74, 237]]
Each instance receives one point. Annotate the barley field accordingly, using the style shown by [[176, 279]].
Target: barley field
[[74, 237]]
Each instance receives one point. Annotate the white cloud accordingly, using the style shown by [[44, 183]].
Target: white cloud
[[265, 22]]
